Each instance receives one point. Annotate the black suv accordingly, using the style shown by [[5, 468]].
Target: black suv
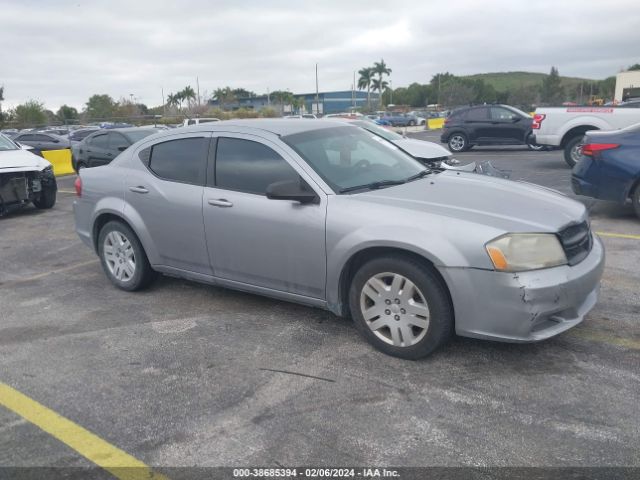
[[487, 125]]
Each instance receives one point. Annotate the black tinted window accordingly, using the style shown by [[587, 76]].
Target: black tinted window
[[117, 140], [247, 166], [501, 114], [477, 114], [99, 141], [182, 160], [43, 138]]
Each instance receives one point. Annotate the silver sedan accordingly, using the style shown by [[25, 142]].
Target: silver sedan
[[330, 215]]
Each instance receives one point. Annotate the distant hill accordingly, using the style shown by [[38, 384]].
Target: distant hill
[[502, 81]]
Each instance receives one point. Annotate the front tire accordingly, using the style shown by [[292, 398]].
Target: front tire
[[47, 198], [458, 142], [122, 257], [572, 150], [635, 200], [401, 307]]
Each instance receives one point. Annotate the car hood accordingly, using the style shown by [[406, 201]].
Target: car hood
[[422, 148], [501, 204], [21, 161]]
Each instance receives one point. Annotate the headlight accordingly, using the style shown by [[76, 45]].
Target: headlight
[[517, 252]]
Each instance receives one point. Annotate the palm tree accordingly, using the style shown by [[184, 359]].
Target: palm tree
[[381, 69], [366, 76], [172, 100], [1, 100], [379, 85], [188, 94], [224, 95]]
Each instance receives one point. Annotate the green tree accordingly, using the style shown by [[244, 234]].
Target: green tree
[[66, 113], [635, 66], [364, 82], [172, 100], [243, 93], [30, 113], [188, 94], [100, 107], [552, 91], [379, 85], [224, 96]]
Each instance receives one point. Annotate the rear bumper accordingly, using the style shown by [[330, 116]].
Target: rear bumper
[[526, 306]]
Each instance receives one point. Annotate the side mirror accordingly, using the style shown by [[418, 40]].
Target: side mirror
[[296, 190]]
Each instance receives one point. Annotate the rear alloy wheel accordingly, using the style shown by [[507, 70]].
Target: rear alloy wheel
[[458, 142], [572, 150], [412, 123], [401, 307], [123, 258]]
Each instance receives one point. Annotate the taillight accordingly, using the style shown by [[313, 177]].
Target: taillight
[[78, 185], [537, 120], [590, 149]]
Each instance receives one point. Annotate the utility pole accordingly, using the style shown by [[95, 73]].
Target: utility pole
[[391, 91], [198, 88], [353, 92], [164, 107], [317, 96]]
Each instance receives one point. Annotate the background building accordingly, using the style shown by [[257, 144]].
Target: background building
[[329, 102], [627, 85]]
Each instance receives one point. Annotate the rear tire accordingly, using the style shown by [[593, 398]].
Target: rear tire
[[406, 304], [572, 150], [122, 257]]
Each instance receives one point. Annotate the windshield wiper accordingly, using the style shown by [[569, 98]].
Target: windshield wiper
[[372, 185], [420, 174]]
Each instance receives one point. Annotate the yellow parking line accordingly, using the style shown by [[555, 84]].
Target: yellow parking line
[[119, 463], [619, 235], [599, 337]]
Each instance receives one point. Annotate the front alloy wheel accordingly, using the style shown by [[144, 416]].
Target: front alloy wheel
[[401, 306], [457, 142], [394, 309]]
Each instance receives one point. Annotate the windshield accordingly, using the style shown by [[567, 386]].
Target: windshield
[[346, 157], [6, 144], [136, 135], [383, 132]]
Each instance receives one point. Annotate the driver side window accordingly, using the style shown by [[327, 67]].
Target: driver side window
[[248, 166]]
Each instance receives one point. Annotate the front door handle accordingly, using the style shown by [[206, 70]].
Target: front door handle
[[220, 202], [139, 189]]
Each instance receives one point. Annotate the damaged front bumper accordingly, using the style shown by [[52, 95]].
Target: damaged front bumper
[[524, 306], [19, 188]]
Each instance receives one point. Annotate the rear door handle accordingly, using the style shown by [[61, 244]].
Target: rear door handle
[[220, 202], [139, 189]]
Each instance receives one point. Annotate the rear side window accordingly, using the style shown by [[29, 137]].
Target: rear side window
[[477, 114], [183, 160], [117, 141], [247, 166], [99, 141]]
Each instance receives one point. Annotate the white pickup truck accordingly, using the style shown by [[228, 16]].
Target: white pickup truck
[[565, 127]]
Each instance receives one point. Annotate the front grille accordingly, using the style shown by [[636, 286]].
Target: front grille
[[576, 241]]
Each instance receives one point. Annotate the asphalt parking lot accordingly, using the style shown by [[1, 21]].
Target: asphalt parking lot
[[187, 374]]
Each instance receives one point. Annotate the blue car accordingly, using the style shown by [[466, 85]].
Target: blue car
[[610, 166]]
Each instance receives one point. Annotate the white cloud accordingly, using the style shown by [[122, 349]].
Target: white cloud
[[65, 51]]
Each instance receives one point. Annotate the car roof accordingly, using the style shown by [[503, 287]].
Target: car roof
[[277, 126]]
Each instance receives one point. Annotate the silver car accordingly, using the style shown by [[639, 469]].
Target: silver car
[[329, 215]]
